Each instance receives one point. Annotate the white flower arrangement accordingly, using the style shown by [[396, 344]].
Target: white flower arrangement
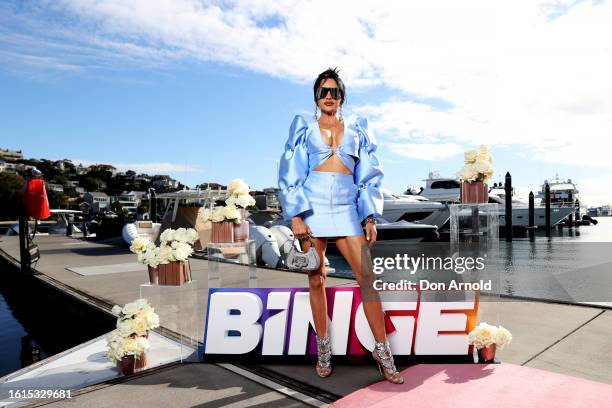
[[184, 235], [237, 187], [237, 197], [478, 166], [238, 194], [485, 334], [220, 214], [119, 346], [134, 320], [176, 245], [145, 250]]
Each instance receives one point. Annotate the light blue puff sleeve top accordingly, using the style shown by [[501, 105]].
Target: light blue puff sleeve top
[[305, 150], [293, 171], [368, 173]]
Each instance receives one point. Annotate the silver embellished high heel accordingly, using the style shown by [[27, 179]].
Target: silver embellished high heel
[[386, 365], [323, 366]]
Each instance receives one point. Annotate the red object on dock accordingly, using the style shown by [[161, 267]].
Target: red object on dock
[[35, 199]]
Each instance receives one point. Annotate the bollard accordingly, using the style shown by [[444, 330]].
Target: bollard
[[24, 237], [84, 227], [508, 203], [570, 218], [152, 205], [69, 225], [531, 215], [547, 203]]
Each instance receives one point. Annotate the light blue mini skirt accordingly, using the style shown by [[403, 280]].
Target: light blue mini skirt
[[333, 197]]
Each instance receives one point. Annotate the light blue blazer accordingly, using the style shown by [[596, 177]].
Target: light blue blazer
[[305, 150]]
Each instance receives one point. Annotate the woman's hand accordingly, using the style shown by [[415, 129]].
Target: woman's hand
[[370, 229], [299, 228]]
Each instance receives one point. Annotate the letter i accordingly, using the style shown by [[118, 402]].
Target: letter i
[[275, 329]]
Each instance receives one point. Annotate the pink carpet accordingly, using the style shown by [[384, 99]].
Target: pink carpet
[[481, 385]]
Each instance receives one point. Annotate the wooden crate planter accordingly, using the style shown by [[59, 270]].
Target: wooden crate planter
[[174, 273], [130, 364], [475, 192], [222, 232]]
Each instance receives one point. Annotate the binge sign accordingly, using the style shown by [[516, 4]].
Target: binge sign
[[276, 322]]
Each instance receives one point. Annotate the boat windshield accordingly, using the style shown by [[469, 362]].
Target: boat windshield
[[388, 195]]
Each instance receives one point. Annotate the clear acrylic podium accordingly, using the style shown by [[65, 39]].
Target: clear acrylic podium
[[177, 308], [474, 223], [233, 264], [474, 233]]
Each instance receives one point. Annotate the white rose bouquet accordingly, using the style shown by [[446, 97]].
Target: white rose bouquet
[[478, 166], [238, 194], [146, 251], [485, 334], [134, 320], [221, 214], [176, 245]]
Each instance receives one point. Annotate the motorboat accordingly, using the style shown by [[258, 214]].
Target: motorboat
[[448, 190], [563, 193], [414, 209], [405, 232], [441, 189], [401, 230], [64, 218], [56, 224], [520, 213], [145, 228]]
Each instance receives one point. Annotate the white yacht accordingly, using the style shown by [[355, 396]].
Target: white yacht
[[441, 189], [448, 190], [520, 213], [414, 208], [562, 192]]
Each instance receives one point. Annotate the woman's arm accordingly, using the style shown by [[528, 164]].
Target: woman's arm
[[368, 174], [293, 171]]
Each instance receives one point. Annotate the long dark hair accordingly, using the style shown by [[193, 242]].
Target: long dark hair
[[330, 74]]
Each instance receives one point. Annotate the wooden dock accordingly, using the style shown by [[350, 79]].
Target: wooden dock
[[567, 339]]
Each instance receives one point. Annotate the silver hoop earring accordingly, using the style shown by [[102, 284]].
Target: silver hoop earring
[[316, 112]]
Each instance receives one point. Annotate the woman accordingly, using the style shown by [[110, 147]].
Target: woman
[[329, 181]]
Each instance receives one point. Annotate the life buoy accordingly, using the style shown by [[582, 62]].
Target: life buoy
[[35, 199]]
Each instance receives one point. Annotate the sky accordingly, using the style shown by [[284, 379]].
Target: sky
[[206, 90]]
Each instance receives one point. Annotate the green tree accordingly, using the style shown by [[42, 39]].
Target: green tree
[[57, 199], [63, 180], [91, 183], [11, 186]]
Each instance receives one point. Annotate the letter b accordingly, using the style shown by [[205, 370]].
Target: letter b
[[221, 321]]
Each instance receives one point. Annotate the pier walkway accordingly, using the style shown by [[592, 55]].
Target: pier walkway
[[567, 339]]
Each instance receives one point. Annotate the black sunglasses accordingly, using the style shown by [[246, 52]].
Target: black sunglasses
[[322, 93]]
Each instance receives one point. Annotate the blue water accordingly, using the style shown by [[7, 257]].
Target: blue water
[[574, 266], [36, 323], [17, 348]]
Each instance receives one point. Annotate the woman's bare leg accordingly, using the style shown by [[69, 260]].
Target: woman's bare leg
[[316, 283], [351, 248]]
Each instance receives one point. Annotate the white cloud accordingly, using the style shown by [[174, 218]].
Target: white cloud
[[594, 191], [149, 168], [426, 151], [531, 74]]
